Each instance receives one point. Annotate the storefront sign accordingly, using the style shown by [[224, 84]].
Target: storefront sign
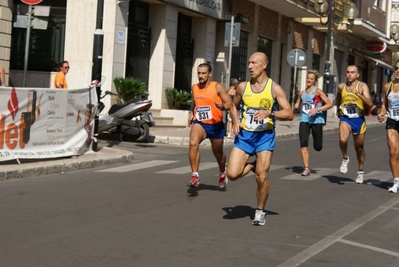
[[45, 123], [31, 2], [213, 8], [375, 46]]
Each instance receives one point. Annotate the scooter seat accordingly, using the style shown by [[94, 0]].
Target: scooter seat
[[114, 108], [117, 107]]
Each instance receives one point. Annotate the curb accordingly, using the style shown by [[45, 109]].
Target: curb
[[104, 156]]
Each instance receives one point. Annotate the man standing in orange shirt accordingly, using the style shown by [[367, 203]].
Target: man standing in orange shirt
[[2, 77], [209, 100], [59, 80]]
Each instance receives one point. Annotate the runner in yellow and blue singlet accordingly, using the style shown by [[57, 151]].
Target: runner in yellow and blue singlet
[[352, 110], [258, 99], [351, 98], [257, 135]]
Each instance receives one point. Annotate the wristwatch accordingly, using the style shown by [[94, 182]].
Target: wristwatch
[[272, 115]]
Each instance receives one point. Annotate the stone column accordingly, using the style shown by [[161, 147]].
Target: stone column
[[5, 35], [163, 23]]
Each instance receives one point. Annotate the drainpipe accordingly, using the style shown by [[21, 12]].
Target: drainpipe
[[97, 61]]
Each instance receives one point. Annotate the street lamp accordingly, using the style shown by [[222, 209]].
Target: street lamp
[[394, 29], [351, 12], [322, 9], [326, 8]]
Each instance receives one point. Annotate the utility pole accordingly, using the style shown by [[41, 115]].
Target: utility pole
[[327, 64], [97, 61], [328, 80]]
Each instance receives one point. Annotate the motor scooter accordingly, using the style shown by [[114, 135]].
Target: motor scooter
[[131, 120]]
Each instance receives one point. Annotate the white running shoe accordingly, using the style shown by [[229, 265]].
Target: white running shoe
[[360, 177], [306, 172], [344, 166], [260, 218], [395, 187]]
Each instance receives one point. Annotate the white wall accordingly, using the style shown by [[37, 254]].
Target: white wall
[[80, 27], [163, 23]]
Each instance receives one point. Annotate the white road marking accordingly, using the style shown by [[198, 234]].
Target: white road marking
[[187, 169], [138, 166], [377, 177], [392, 253], [337, 236], [314, 174]]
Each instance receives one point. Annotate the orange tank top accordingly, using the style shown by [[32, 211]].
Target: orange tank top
[[205, 110]]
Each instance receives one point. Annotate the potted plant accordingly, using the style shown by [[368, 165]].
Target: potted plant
[[181, 99], [129, 88]]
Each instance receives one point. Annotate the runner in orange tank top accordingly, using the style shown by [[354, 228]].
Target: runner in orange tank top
[[209, 101]]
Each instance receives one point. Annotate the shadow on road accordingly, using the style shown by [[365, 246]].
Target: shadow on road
[[337, 180], [239, 212], [193, 191]]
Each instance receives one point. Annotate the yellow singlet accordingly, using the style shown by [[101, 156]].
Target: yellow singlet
[[254, 101]]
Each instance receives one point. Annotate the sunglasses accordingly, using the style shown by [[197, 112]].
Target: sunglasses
[[66, 67], [396, 68]]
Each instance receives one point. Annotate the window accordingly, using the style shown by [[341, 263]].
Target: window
[[265, 46], [338, 69], [316, 62], [46, 47], [239, 58]]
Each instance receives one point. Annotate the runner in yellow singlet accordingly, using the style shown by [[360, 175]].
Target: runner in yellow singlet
[[255, 134], [351, 98]]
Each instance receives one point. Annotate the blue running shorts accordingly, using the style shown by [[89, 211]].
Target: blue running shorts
[[213, 131], [254, 142], [358, 125]]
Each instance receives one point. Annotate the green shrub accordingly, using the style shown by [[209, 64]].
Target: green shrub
[[180, 98], [129, 88]]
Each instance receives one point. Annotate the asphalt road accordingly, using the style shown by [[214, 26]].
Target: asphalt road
[[143, 214]]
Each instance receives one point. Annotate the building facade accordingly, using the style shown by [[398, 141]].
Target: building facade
[[5, 34], [163, 42]]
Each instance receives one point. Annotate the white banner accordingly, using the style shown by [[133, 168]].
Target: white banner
[[46, 123], [212, 8]]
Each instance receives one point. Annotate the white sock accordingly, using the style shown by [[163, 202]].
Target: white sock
[[195, 174]]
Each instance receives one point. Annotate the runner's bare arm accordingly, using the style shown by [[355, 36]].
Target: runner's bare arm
[[285, 112], [226, 99], [338, 98], [298, 100], [383, 109], [364, 94], [234, 108]]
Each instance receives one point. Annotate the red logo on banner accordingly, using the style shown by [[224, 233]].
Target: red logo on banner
[[376, 46], [13, 104], [31, 2]]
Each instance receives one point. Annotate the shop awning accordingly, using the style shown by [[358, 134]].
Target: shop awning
[[381, 64]]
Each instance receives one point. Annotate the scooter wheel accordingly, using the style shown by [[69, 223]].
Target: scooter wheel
[[144, 134]]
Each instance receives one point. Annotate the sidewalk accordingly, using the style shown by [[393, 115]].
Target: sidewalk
[[164, 135], [284, 129]]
